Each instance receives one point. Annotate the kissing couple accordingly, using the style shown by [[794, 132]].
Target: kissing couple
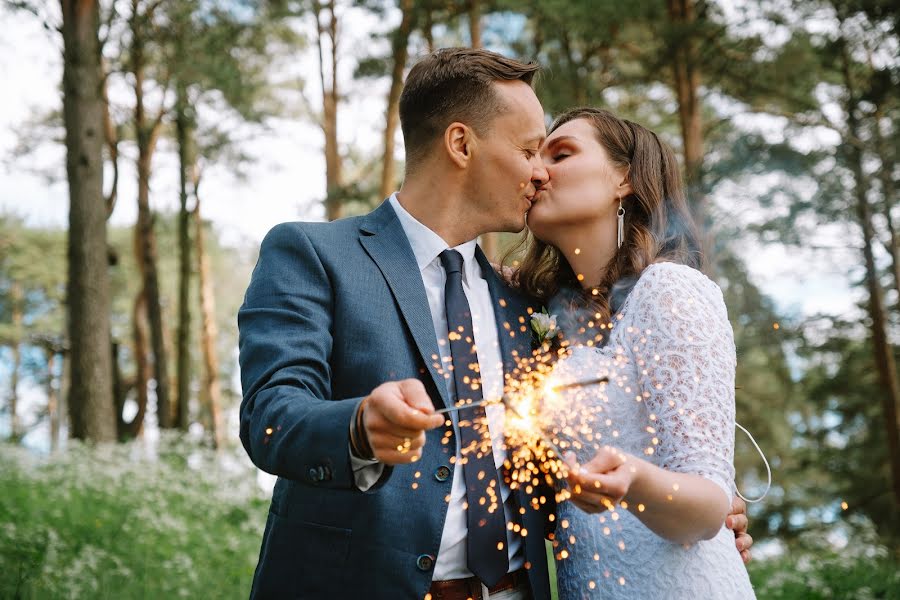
[[355, 333]]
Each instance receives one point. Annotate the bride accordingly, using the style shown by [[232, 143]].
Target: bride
[[615, 254]]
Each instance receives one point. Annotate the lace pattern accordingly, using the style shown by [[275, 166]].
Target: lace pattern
[[670, 400]]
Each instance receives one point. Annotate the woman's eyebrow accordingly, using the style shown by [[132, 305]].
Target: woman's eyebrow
[[562, 138]]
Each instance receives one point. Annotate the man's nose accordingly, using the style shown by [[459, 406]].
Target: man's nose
[[539, 176]]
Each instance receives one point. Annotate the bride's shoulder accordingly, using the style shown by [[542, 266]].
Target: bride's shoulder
[[675, 277], [673, 286]]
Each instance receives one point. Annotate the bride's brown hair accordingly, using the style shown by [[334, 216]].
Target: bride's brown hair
[[658, 224]]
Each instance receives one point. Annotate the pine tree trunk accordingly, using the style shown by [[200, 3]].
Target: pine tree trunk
[[15, 296], [475, 23], [884, 353], [884, 357], [185, 160], [686, 77], [55, 395], [330, 99], [141, 381], [885, 177], [145, 236], [88, 292], [428, 30], [392, 116], [209, 331], [52, 398], [111, 137]]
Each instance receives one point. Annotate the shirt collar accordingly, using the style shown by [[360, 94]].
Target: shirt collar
[[427, 245]]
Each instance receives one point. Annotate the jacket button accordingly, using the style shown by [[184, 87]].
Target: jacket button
[[425, 562], [442, 473], [313, 474]]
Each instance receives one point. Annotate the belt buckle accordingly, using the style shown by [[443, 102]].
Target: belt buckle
[[476, 591], [510, 581]]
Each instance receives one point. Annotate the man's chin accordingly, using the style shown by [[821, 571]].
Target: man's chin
[[533, 222], [515, 225]]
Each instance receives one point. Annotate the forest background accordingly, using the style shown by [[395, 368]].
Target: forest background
[[148, 145]]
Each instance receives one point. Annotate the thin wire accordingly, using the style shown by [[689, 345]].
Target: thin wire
[[768, 469], [505, 399], [458, 407]]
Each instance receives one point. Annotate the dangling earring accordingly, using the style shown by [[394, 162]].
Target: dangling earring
[[621, 215]]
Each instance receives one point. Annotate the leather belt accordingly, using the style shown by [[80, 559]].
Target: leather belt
[[470, 588]]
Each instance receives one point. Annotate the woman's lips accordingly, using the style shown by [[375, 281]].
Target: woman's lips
[[537, 195]]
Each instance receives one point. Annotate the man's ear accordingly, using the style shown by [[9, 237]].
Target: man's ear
[[459, 141]]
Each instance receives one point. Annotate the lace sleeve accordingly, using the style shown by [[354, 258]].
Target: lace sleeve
[[683, 346]]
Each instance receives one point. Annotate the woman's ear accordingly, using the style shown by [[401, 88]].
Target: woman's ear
[[459, 142], [624, 187]]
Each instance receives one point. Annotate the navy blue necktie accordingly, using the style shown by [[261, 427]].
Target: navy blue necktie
[[488, 556]]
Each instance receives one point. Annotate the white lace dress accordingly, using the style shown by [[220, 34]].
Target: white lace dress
[[670, 400]]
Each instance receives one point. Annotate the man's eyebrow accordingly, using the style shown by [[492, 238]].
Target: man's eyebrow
[[538, 139]]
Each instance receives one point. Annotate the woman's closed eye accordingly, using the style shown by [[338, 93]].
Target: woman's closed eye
[[560, 156]]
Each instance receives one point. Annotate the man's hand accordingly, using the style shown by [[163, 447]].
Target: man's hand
[[737, 522], [396, 416]]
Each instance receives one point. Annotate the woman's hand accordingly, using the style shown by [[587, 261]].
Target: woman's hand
[[603, 482]]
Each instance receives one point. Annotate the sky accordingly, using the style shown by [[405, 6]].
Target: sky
[[285, 182]]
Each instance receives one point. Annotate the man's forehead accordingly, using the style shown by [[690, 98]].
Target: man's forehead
[[522, 109], [518, 94]]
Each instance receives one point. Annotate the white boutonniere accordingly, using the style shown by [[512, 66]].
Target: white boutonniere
[[544, 326]]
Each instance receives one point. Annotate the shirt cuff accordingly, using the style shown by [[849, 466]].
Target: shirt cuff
[[365, 472]]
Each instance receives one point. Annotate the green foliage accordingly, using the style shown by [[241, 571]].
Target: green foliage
[[115, 522], [231, 269], [33, 272], [35, 258], [862, 569], [832, 576], [843, 444], [119, 522]]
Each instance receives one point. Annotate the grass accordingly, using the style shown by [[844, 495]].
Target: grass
[[112, 523], [828, 575], [119, 522]]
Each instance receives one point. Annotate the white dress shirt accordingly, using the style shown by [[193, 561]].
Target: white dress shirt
[[427, 246]]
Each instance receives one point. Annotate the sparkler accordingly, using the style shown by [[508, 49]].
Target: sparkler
[[546, 441], [506, 401], [537, 454]]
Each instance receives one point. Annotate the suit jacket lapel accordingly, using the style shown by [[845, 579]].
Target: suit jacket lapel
[[384, 240], [509, 307]]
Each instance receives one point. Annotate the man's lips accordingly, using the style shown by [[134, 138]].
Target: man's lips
[[535, 196]]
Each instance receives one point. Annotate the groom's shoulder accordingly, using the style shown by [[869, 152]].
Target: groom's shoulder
[[315, 232]]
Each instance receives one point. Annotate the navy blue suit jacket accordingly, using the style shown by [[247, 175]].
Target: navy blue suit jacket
[[332, 311]]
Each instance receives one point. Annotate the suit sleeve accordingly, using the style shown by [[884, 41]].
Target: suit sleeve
[[289, 424]]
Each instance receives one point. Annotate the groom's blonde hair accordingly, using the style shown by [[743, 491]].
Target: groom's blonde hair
[[450, 85]]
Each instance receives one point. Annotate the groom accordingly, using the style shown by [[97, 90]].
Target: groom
[[352, 333]]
